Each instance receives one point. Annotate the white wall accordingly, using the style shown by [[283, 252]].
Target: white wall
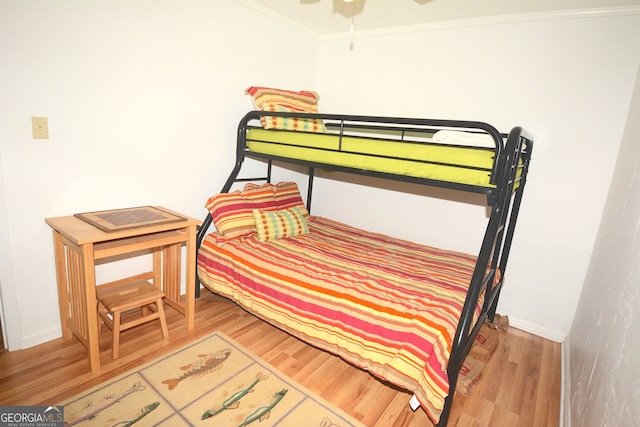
[[568, 80], [143, 98], [604, 370]]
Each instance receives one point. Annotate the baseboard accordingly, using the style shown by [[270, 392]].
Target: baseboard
[[41, 338], [565, 414], [538, 330]]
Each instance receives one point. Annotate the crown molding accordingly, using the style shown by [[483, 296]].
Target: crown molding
[[552, 15], [490, 20]]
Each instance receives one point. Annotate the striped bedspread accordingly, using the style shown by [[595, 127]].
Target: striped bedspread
[[384, 304]]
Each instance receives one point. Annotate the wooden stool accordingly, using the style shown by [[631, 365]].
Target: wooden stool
[[116, 299]]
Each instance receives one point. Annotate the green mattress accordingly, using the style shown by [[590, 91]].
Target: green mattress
[[441, 162]]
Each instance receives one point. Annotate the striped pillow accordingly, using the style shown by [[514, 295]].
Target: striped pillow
[[232, 213], [285, 195], [269, 99], [273, 225]]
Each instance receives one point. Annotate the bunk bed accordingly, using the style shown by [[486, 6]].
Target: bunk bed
[[408, 313]]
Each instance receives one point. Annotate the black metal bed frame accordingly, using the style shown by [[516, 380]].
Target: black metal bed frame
[[508, 175]]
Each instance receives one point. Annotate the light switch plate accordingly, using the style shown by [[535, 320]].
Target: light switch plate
[[40, 127]]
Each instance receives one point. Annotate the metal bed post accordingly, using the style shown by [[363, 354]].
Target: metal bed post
[[525, 154], [506, 208], [312, 171]]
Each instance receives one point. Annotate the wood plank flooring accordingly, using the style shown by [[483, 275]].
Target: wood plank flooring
[[520, 387]]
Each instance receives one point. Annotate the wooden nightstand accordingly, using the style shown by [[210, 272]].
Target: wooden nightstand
[[78, 244]]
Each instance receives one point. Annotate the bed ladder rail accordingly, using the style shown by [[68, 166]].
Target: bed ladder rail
[[493, 252]]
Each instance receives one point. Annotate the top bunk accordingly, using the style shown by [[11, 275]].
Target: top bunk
[[463, 155]]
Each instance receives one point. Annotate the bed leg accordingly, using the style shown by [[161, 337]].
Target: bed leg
[[444, 416]]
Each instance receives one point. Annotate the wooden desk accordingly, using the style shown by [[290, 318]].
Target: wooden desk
[[77, 246]]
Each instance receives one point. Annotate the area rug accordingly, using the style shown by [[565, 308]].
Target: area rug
[[212, 382]]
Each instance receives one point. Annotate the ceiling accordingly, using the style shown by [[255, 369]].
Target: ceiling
[[324, 17]]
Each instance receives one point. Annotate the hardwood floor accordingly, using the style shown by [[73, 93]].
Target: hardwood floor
[[520, 386]]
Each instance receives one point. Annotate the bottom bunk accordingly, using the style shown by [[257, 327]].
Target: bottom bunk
[[383, 304]]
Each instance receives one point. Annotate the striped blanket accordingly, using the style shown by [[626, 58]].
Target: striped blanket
[[384, 304]]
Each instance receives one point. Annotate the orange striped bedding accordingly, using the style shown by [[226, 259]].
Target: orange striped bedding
[[384, 304]]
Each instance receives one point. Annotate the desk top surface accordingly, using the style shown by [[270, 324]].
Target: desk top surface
[[81, 232]]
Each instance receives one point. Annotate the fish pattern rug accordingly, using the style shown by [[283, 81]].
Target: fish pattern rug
[[212, 382]]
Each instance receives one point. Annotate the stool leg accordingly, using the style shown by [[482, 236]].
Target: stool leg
[[116, 334], [163, 321], [99, 318]]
